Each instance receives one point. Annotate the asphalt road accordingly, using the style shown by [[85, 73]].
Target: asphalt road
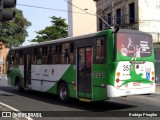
[[38, 101]]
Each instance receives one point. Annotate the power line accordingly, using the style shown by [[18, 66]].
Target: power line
[[41, 7], [45, 8], [78, 7]]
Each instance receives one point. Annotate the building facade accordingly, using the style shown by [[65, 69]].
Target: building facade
[[81, 17], [142, 15]]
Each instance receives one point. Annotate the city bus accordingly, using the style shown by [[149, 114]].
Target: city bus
[[92, 67]]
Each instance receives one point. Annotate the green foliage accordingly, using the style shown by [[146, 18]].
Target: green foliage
[[13, 33], [57, 30]]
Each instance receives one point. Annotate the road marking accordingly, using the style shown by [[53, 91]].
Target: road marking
[[14, 109]]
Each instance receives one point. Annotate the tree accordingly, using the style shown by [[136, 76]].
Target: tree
[[13, 33], [57, 30]]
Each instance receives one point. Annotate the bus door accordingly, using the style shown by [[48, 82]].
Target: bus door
[[84, 69], [27, 69]]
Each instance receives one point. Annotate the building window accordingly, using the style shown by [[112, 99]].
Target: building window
[[100, 24], [118, 16], [109, 18], [131, 13]]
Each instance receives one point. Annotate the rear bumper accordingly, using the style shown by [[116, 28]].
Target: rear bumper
[[114, 92]]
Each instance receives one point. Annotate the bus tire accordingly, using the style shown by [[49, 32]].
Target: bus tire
[[20, 88], [63, 93]]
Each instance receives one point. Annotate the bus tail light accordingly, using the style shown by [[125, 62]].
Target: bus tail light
[[152, 73], [137, 66], [152, 78], [117, 80], [118, 74]]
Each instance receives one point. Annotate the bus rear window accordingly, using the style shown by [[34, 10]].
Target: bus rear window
[[134, 45]]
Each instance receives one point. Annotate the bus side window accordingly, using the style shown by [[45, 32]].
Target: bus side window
[[54, 54], [38, 55], [21, 61], [16, 57], [71, 53], [46, 54], [34, 60], [48, 49], [100, 50], [67, 53], [11, 59], [54, 49], [39, 60]]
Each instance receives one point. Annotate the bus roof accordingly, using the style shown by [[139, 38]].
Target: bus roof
[[58, 40], [76, 37]]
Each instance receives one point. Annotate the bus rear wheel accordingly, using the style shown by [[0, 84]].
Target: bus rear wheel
[[63, 93]]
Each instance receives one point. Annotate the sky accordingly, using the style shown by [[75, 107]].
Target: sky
[[40, 18]]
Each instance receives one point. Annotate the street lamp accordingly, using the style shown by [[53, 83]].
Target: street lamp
[[100, 18]]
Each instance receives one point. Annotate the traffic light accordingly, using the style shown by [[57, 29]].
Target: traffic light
[[6, 14]]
